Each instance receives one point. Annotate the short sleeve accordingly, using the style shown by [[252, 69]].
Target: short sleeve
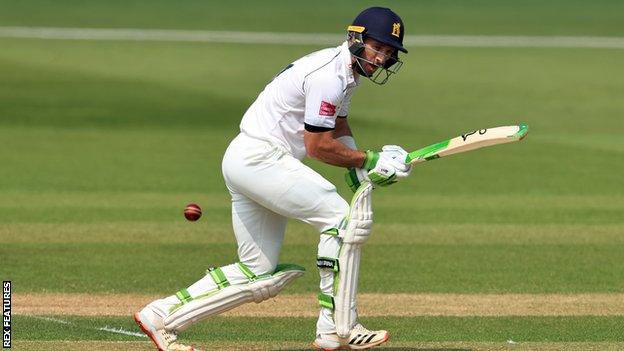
[[323, 97], [346, 102]]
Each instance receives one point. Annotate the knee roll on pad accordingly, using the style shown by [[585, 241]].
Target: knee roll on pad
[[360, 218], [226, 296]]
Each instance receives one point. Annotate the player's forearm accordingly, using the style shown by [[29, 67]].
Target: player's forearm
[[335, 153]]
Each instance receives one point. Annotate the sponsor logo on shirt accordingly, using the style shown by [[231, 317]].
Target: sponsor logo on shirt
[[327, 109]]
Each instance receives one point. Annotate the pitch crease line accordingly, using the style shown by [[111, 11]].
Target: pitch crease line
[[105, 328]]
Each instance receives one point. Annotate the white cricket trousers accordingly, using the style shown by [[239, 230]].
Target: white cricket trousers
[[268, 186]]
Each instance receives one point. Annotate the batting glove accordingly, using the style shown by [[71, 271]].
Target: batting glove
[[396, 156], [380, 168]]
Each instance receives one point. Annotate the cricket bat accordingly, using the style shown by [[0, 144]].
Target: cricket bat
[[469, 141]]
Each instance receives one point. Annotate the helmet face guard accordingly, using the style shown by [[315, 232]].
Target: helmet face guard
[[383, 72]]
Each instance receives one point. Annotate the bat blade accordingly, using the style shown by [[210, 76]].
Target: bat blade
[[469, 141]]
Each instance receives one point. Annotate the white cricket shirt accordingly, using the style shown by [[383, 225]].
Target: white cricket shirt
[[308, 94]]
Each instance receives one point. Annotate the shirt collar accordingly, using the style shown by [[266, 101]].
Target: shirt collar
[[346, 59]]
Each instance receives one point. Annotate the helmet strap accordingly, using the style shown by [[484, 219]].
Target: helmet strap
[[357, 66]]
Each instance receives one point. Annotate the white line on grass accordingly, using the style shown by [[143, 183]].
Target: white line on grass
[[105, 328], [121, 331], [130, 34], [50, 319]]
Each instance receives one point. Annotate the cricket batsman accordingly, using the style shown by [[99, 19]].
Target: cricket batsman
[[302, 111]]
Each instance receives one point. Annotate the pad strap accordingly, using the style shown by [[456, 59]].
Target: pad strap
[[184, 296], [328, 263], [246, 271], [218, 277], [326, 301]]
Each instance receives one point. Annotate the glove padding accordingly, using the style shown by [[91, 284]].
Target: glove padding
[[396, 156], [381, 169]]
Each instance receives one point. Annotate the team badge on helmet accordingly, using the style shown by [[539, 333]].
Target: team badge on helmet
[[396, 30], [386, 27]]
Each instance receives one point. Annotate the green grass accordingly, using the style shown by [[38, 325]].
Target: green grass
[[115, 235], [291, 346], [110, 160], [568, 97], [103, 143], [555, 17], [419, 329], [432, 268]]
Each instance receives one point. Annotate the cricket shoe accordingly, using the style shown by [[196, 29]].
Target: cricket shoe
[[360, 339], [152, 325]]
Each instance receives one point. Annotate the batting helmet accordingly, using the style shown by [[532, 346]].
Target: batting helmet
[[383, 25]]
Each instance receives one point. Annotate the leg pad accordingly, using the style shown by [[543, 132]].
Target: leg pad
[[259, 289]]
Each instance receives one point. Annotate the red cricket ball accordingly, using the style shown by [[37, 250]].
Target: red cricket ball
[[192, 212]]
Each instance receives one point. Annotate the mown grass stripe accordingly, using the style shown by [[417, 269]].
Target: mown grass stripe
[[496, 268], [277, 345], [403, 329], [370, 305], [135, 34]]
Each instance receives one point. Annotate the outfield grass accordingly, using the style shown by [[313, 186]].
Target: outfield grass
[[554, 17], [114, 165], [411, 346], [103, 143], [422, 329]]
